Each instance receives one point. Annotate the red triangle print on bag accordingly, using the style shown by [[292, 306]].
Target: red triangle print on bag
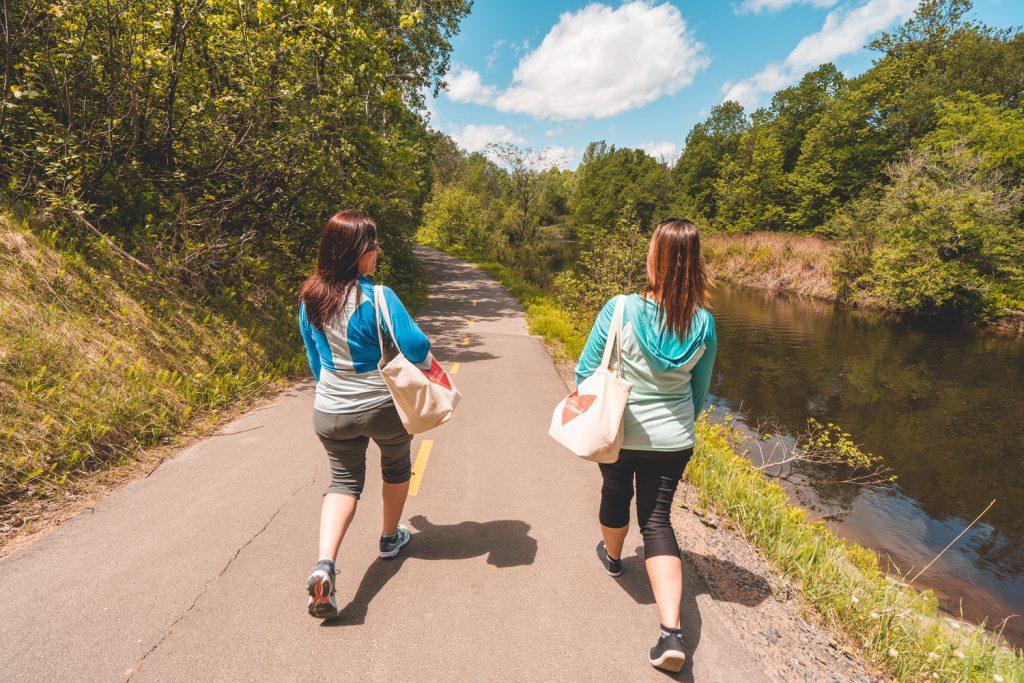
[[576, 405], [437, 375]]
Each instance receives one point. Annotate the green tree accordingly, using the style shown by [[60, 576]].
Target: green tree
[[877, 117], [750, 187], [980, 123], [204, 135], [795, 110], [456, 216], [707, 144], [616, 264], [614, 182], [945, 236]]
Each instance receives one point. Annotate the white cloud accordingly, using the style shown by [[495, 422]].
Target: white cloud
[[766, 6], [599, 62], [430, 107], [562, 157], [845, 31], [493, 56], [553, 132], [475, 137], [464, 85], [664, 151]]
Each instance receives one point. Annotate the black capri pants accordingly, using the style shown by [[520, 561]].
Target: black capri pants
[[346, 437], [657, 475]]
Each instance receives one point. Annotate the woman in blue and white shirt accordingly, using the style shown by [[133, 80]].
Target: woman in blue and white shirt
[[353, 405]]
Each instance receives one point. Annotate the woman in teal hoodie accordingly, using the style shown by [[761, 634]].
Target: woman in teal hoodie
[[668, 351]]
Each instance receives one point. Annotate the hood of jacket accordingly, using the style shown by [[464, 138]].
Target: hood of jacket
[[664, 350]]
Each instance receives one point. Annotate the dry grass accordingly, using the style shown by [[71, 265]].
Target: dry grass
[[772, 261]]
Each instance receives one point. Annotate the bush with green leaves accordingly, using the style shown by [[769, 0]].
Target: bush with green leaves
[[945, 236], [610, 263], [454, 215]]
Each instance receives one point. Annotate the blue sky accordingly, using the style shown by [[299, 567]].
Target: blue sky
[[559, 74]]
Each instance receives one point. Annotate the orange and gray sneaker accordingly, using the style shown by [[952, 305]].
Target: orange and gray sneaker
[[321, 591]]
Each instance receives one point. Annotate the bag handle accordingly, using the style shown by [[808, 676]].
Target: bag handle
[[380, 305], [614, 338]]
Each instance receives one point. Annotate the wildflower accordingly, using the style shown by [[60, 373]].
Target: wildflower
[[933, 655], [959, 654], [875, 615], [997, 678], [854, 600], [935, 674], [893, 652]]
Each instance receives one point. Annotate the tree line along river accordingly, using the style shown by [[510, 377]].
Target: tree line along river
[[943, 405]]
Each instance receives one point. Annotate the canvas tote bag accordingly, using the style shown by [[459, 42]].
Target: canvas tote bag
[[589, 420], [424, 398]]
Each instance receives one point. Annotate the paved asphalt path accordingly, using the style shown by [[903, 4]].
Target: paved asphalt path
[[198, 571]]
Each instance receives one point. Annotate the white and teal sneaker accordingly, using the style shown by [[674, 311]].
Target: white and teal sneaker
[[390, 545], [320, 586]]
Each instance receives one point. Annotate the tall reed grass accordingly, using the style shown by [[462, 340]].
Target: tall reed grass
[[772, 261]]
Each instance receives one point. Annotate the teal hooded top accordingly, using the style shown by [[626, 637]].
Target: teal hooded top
[[670, 376]]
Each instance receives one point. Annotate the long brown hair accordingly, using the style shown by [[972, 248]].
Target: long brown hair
[[347, 235], [676, 277]]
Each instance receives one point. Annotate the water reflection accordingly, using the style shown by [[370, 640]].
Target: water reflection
[[562, 253], [944, 406]]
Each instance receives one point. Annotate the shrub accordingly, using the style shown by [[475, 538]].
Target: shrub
[[944, 236]]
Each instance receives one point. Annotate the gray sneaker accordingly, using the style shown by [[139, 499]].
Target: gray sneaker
[[320, 587], [390, 545]]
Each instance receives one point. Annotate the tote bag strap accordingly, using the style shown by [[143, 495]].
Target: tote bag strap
[[614, 338], [380, 307]]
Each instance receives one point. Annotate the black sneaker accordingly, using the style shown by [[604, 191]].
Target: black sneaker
[[668, 653], [320, 586], [613, 567]]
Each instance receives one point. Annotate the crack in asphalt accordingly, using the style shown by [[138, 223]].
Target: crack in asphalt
[[138, 665]]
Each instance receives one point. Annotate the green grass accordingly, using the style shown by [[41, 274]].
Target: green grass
[[101, 358], [897, 629]]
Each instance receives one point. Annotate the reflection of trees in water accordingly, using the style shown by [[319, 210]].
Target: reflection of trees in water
[[945, 409]]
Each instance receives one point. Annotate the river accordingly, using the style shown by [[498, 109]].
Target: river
[[943, 405]]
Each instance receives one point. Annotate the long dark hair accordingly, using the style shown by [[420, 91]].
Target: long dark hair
[[676, 278], [347, 235]]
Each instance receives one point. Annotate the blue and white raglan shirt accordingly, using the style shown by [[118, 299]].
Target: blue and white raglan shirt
[[344, 355]]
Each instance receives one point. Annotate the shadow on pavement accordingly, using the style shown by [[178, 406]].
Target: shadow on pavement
[[506, 543], [732, 584]]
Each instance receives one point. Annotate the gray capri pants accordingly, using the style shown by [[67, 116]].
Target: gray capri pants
[[346, 437]]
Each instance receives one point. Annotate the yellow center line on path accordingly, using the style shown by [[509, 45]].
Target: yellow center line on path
[[474, 302], [420, 466], [465, 342], [455, 369], [471, 322]]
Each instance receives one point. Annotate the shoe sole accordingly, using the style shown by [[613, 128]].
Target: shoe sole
[[320, 605], [387, 555], [670, 660], [611, 573]]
